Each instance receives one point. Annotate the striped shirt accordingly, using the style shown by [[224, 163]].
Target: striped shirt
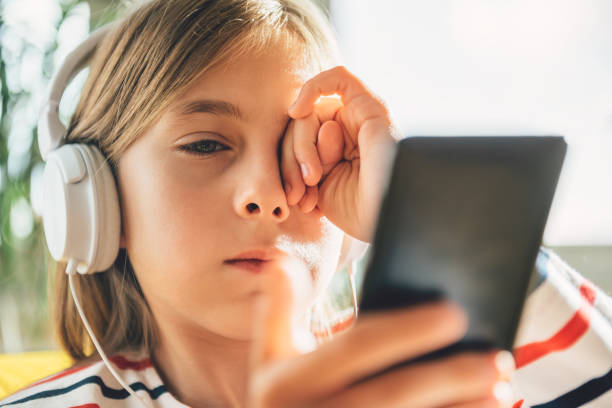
[[563, 353]]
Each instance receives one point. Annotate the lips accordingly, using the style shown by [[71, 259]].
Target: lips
[[251, 265], [255, 260], [266, 254]]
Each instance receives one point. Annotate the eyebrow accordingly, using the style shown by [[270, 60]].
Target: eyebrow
[[212, 106]]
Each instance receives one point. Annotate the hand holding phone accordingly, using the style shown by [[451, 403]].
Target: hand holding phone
[[336, 373]]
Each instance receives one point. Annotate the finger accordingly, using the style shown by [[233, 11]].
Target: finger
[[288, 291], [330, 145], [366, 111], [310, 199], [277, 336], [376, 341], [326, 108], [291, 173], [456, 379], [272, 318], [337, 80], [428, 327], [305, 149]]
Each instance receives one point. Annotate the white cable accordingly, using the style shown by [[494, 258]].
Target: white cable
[[70, 270]]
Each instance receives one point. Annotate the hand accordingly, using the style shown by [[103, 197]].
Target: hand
[[336, 155], [338, 373]]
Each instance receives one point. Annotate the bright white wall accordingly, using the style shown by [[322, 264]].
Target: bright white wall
[[499, 67]]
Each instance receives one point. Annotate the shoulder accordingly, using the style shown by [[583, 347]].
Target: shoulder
[[563, 347], [91, 385]]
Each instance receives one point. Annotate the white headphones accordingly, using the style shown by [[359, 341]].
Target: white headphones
[[81, 213]]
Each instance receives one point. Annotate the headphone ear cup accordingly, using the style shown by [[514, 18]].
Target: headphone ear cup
[[81, 213], [107, 210], [352, 249]]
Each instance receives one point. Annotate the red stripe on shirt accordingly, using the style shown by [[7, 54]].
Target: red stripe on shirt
[[123, 363], [337, 327], [518, 404], [118, 360], [569, 334]]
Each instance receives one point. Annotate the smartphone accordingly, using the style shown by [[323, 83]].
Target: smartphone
[[463, 219]]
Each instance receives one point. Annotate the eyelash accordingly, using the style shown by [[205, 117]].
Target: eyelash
[[195, 148]]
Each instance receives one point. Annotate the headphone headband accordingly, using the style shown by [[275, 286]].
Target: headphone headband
[[51, 131]]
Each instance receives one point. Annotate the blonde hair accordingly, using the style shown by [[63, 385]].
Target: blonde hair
[[148, 59]]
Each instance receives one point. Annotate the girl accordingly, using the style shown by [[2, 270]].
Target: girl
[[237, 191]]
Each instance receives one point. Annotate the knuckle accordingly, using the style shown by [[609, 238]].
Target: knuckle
[[377, 109], [340, 69]]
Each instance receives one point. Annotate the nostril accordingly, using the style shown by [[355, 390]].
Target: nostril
[[278, 211], [252, 208]]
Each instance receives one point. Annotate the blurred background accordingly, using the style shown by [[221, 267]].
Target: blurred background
[[450, 67]]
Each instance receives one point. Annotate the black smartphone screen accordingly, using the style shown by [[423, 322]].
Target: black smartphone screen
[[463, 219]]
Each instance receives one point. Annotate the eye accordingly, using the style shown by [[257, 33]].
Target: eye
[[203, 147]]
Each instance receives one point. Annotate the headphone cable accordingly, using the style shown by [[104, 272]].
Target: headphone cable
[[71, 270]]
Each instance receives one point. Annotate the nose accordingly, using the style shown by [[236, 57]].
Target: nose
[[260, 194]]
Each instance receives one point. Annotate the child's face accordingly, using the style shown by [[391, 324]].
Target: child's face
[[184, 214]]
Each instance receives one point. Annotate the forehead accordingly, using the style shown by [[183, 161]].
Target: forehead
[[253, 82]]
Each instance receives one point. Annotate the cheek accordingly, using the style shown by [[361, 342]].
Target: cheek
[[174, 235], [167, 212]]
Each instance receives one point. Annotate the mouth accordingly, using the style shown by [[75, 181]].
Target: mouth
[[249, 264], [233, 261], [259, 254]]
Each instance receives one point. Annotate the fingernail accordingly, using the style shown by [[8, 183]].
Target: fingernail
[[287, 188], [505, 363], [305, 172], [503, 392]]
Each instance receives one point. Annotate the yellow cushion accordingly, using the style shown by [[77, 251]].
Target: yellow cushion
[[22, 369]]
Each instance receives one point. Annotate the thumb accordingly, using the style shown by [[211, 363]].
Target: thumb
[[277, 311]]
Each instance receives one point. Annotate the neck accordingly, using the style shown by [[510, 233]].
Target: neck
[[201, 368]]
